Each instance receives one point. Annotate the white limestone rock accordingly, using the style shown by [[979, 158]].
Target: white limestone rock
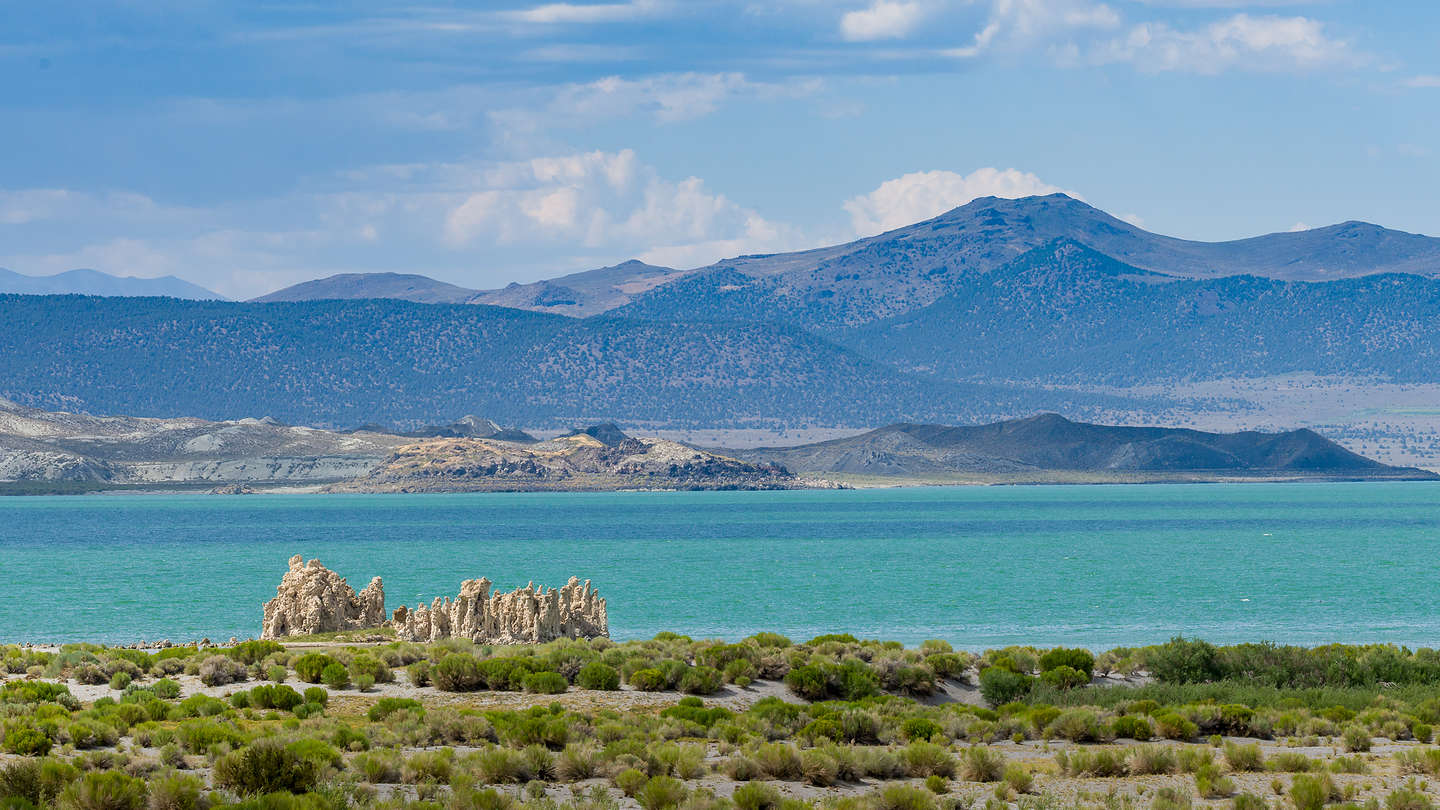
[[523, 616], [313, 599]]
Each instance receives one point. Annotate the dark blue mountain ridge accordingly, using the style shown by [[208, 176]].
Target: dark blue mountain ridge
[[345, 363], [909, 268], [1064, 313]]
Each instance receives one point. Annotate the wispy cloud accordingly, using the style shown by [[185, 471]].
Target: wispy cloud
[[1241, 42], [883, 19], [580, 13]]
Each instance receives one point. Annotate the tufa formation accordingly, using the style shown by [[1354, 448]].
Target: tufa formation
[[313, 599], [523, 616]]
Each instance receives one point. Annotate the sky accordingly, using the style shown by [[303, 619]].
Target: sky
[[248, 146]]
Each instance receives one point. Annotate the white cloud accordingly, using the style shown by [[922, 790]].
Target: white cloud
[[1298, 227], [1423, 81], [1133, 219], [1267, 43], [1014, 24], [610, 200], [573, 13], [921, 195], [884, 19]]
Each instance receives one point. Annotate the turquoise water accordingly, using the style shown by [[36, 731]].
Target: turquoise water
[[980, 566]]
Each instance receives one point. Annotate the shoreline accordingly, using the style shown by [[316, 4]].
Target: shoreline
[[21, 489]]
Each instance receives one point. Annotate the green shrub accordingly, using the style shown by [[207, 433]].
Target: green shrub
[[1172, 726], [902, 797], [1064, 678], [756, 796], [980, 764], [218, 670], [545, 683], [335, 676], [104, 790], [1146, 760], [999, 685], [661, 792], [1408, 798], [265, 767], [319, 752], [418, 673], [630, 781], [649, 680], [1182, 661], [938, 785], [923, 759], [311, 666], [1076, 725], [819, 768], [598, 675], [1355, 738], [1018, 777], [177, 791], [316, 694], [945, 664], [1211, 784], [386, 706], [809, 682], [779, 761], [1249, 801], [250, 652], [1169, 798], [1242, 758], [27, 741], [701, 680], [1133, 727], [120, 680], [1076, 659], [1310, 792], [1102, 762], [920, 728]]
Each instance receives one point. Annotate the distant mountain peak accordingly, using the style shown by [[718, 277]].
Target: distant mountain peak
[[85, 281], [345, 286]]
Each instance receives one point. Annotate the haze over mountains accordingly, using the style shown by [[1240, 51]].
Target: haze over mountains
[[94, 282], [997, 309]]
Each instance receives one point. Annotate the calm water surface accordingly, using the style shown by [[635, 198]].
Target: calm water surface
[[1094, 565]]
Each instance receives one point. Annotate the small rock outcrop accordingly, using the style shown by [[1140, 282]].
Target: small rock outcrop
[[313, 599], [523, 616]]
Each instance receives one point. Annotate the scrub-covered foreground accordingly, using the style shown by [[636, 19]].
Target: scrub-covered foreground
[[762, 724]]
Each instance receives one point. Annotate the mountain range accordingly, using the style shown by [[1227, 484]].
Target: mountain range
[[94, 282], [899, 271], [996, 309]]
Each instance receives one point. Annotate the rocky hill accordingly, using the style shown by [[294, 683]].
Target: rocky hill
[[577, 462], [40, 445], [1025, 449], [400, 286]]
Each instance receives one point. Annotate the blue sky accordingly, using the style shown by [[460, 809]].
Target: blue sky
[[249, 146]]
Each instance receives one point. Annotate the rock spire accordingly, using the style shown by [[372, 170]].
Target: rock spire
[[313, 599], [522, 616]]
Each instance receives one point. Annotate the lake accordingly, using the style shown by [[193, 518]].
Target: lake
[[1098, 566]]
